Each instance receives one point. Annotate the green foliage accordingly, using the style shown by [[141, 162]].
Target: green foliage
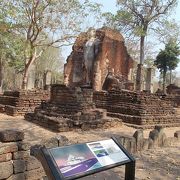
[[15, 54], [168, 59], [11, 51]]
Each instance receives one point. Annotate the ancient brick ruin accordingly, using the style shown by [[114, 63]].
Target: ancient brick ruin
[[112, 57], [69, 108], [142, 109], [17, 103], [174, 91], [74, 105]]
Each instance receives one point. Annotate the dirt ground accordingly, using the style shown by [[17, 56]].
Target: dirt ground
[[155, 164]]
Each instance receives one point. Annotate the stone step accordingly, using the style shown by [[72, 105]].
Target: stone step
[[62, 124], [90, 114]]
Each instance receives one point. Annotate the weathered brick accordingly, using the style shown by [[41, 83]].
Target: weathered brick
[[11, 135], [6, 169], [8, 147], [151, 144], [21, 155], [19, 166], [5, 157], [23, 146], [34, 174], [32, 163], [141, 109], [21, 102]]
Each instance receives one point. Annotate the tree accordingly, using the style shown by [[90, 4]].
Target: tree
[[167, 59], [167, 31], [10, 53], [38, 21], [51, 60], [137, 17]]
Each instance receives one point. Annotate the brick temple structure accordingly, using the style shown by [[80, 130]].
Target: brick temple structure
[[142, 109], [16, 103], [76, 104], [112, 56], [70, 108]]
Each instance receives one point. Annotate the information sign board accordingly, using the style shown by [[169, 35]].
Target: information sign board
[[74, 161]]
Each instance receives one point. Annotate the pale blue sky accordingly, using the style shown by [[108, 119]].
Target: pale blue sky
[[107, 5]]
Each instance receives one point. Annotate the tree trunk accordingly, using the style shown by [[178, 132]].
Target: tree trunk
[[170, 79], [26, 71], [25, 77], [140, 66], [164, 81], [1, 75], [142, 49]]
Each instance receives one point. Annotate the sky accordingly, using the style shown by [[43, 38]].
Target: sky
[[110, 6]]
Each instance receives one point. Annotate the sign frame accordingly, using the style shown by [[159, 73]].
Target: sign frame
[[49, 164]]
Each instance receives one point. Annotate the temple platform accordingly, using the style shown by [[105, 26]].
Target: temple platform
[[70, 108], [143, 110]]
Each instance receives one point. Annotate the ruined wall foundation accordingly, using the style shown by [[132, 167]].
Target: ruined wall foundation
[[142, 109], [16, 103]]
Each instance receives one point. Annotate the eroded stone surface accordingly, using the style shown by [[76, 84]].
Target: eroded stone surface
[[139, 136], [21, 155], [11, 135], [19, 166], [8, 147], [5, 157], [6, 169], [34, 174], [32, 163]]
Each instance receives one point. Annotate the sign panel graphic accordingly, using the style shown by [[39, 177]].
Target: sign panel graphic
[[81, 158]]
